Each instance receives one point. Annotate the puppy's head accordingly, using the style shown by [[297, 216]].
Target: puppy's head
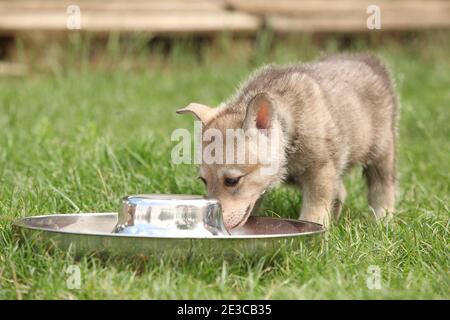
[[242, 155]]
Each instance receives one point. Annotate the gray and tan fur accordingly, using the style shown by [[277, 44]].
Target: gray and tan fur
[[332, 114]]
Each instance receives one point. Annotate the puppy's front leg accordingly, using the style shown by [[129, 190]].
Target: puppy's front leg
[[319, 191]]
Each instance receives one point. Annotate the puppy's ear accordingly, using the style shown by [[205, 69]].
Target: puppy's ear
[[200, 111], [260, 113]]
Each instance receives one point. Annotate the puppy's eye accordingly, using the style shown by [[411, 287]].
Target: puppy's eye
[[203, 180], [231, 182]]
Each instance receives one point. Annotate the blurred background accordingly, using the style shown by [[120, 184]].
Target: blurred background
[[48, 26]]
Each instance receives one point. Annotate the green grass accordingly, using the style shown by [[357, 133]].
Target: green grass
[[76, 138]]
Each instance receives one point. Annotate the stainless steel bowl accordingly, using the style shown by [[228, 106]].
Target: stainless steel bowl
[[85, 233], [170, 215]]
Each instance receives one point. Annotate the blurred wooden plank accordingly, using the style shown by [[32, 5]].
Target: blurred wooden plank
[[12, 69], [330, 7], [193, 16], [169, 22], [347, 15], [289, 24], [407, 19], [111, 5]]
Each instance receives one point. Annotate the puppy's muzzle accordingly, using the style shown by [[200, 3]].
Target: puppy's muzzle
[[251, 208]]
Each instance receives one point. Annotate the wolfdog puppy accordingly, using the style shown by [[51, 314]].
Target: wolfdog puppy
[[323, 117]]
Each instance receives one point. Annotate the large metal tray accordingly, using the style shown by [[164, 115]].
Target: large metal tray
[[92, 232]]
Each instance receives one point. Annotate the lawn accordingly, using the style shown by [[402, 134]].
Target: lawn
[[77, 135]]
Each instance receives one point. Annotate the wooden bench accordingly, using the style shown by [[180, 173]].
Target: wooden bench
[[209, 16]]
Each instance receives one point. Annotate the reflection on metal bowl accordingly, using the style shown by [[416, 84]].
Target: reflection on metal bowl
[[170, 215]]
